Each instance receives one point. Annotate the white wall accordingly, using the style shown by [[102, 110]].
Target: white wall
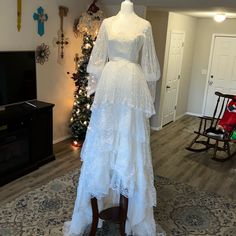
[[53, 83], [205, 29], [159, 22]]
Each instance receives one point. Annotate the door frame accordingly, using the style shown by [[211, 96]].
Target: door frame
[[165, 80], [210, 65]]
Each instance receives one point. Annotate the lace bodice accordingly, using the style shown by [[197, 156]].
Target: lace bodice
[[135, 47], [124, 47]]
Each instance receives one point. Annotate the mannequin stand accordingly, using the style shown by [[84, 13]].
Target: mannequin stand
[[118, 215]]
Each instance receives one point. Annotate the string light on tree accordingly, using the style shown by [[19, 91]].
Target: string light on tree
[[76, 143]]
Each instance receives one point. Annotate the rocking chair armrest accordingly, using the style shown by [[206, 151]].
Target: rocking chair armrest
[[205, 123]]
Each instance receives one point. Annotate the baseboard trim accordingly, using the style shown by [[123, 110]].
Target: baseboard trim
[[156, 128], [180, 116], [61, 139], [193, 114]]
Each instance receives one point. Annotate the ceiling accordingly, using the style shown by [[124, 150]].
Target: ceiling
[[198, 8]]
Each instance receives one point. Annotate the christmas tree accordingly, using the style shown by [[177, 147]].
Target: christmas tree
[[81, 111], [88, 25]]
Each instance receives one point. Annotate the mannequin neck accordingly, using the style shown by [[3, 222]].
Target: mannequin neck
[[127, 7]]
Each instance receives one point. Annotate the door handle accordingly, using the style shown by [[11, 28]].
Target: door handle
[[167, 86]]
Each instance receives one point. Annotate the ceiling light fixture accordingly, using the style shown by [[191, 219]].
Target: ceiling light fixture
[[219, 17]]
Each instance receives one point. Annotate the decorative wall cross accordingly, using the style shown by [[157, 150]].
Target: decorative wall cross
[[41, 17], [61, 40], [19, 13]]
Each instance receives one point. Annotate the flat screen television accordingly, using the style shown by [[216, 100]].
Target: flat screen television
[[17, 77]]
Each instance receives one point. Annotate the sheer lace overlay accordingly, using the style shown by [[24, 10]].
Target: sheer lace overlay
[[116, 153], [98, 59], [150, 62]]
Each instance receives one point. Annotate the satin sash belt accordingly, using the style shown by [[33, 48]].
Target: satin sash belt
[[122, 59]]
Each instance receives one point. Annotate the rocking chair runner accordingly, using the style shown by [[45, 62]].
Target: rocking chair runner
[[217, 142]]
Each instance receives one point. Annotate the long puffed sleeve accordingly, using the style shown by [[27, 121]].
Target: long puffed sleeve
[[149, 62], [98, 59]]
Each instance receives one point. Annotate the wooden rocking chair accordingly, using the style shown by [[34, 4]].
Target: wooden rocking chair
[[220, 142]]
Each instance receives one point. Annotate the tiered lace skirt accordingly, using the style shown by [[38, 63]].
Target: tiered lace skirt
[[116, 153]]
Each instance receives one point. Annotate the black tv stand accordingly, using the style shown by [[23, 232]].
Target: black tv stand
[[30, 103], [25, 139]]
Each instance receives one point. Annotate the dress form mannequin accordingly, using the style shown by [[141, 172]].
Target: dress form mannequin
[[127, 15], [127, 7]]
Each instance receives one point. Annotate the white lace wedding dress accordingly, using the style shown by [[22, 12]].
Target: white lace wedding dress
[[116, 153]]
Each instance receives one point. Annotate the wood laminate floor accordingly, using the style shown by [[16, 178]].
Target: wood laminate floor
[[170, 159]]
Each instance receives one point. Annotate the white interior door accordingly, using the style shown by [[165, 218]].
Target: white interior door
[[173, 75], [222, 76]]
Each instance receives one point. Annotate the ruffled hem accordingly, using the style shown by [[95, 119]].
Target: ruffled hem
[[115, 173], [121, 183], [124, 83], [119, 157], [124, 102], [107, 127]]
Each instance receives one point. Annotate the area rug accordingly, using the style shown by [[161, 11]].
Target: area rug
[[181, 210]]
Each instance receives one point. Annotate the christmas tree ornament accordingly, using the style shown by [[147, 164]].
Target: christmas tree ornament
[[42, 53], [76, 144], [40, 17]]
